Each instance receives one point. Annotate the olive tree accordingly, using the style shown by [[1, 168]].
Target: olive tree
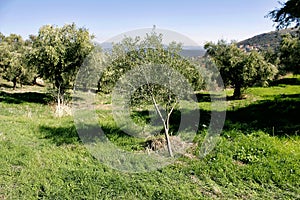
[[58, 52], [13, 60], [155, 65], [238, 68], [289, 52]]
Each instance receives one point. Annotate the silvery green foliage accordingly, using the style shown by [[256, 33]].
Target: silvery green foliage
[[133, 52], [59, 52], [238, 68], [13, 60]]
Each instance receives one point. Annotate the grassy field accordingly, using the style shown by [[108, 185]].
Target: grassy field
[[257, 156]]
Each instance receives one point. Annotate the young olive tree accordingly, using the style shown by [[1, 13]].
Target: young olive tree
[[58, 53], [240, 69], [155, 65]]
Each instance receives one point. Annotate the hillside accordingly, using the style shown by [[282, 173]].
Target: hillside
[[265, 41]]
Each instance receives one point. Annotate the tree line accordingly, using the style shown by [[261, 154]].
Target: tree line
[[56, 54]]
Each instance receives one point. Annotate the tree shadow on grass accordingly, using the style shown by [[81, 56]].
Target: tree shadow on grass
[[278, 117], [6, 85], [24, 97], [176, 123], [209, 97], [286, 81], [60, 135], [203, 97], [112, 132], [88, 134]]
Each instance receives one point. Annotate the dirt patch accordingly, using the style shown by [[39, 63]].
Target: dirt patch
[[103, 106], [159, 143]]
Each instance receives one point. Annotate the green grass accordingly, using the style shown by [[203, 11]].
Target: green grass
[[257, 156]]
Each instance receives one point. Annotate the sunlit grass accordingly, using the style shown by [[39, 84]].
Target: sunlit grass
[[42, 157]]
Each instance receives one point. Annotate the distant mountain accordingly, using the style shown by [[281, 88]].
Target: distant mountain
[[192, 51], [265, 41], [187, 51], [106, 45]]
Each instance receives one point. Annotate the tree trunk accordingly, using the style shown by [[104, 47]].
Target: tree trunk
[[237, 94], [15, 83], [168, 142], [34, 80], [166, 124], [60, 102]]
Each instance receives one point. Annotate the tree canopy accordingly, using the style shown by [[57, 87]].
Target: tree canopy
[[13, 63], [134, 52], [59, 52], [238, 68], [290, 54], [287, 15], [289, 51]]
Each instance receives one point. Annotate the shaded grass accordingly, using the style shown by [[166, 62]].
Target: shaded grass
[[274, 110], [279, 116], [24, 97], [60, 135], [289, 80]]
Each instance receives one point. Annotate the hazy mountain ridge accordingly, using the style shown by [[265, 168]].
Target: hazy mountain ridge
[[187, 51], [264, 41]]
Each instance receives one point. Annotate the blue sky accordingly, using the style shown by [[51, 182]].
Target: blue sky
[[200, 20]]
